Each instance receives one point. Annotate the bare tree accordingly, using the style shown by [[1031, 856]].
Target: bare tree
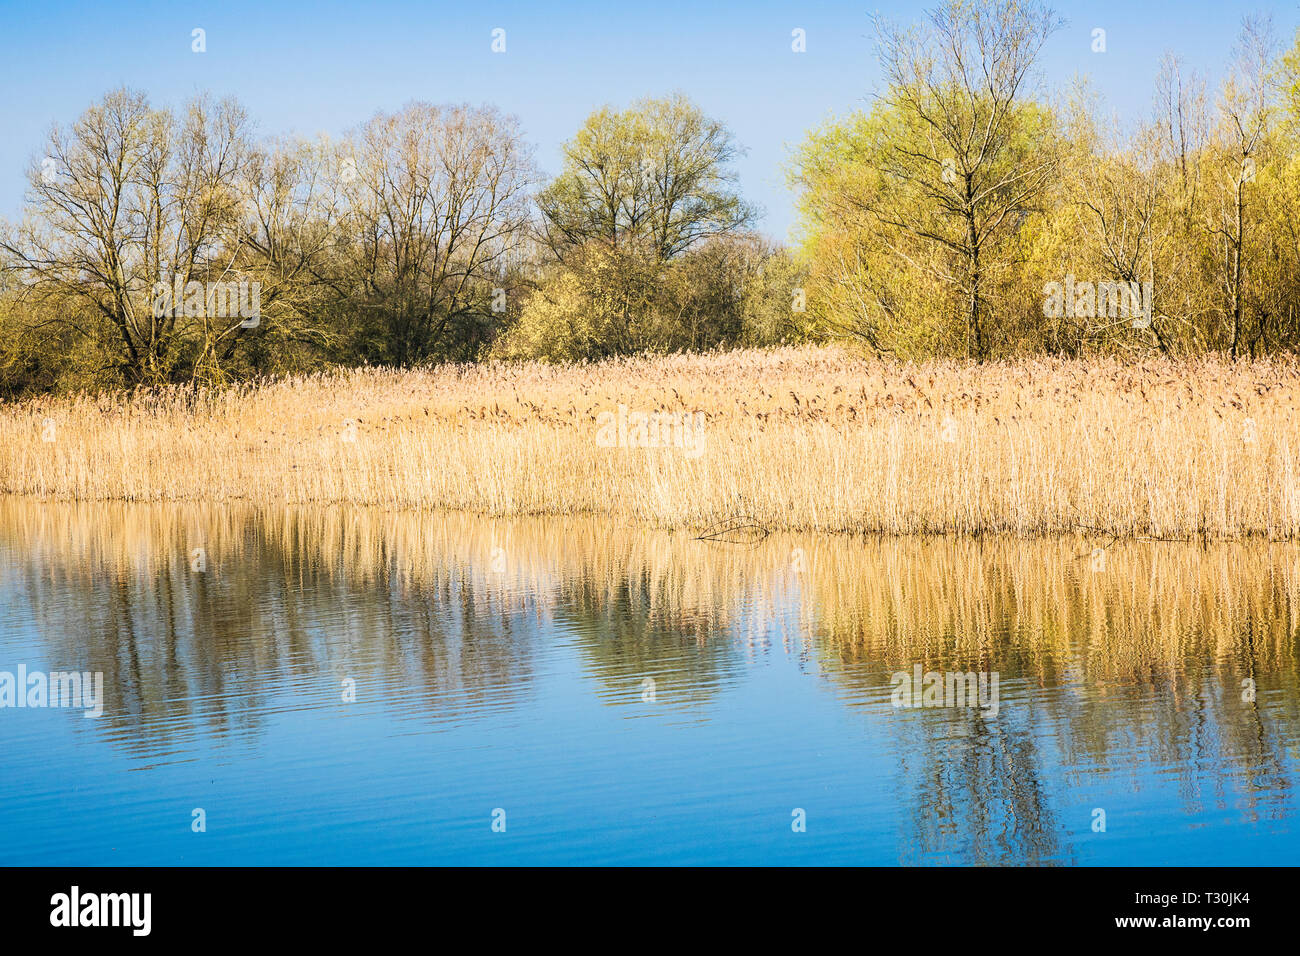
[[288, 241], [127, 200], [1126, 188], [1245, 111], [438, 207]]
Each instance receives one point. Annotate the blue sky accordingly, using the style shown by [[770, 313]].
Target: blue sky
[[326, 66]]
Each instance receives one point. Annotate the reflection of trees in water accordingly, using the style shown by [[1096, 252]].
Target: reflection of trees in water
[[975, 789], [628, 630], [269, 619], [1140, 663]]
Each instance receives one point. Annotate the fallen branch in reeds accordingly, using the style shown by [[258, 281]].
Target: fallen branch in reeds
[[738, 529]]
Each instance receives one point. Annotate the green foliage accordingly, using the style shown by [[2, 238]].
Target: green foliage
[[1199, 206], [603, 301], [654, 176], [932, 224]]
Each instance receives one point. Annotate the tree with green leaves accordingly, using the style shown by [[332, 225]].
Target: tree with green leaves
[[655, 176], [962, 151]]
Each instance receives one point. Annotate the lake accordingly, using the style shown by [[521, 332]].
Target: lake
[[352, 686]]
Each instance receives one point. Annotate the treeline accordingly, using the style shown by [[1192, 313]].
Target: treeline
[[161, 247], [965, 214]]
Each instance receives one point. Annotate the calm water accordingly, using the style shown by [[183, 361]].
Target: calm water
[[356, 687]]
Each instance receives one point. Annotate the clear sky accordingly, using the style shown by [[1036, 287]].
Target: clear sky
[[310, 67]]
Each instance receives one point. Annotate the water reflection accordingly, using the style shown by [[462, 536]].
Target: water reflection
[[1162, 687]]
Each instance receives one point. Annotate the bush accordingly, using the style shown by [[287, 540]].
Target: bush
[[601, 302]]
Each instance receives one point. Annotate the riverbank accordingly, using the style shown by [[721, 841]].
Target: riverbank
[[806, 439]]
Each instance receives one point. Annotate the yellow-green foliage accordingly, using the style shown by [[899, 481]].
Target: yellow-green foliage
[[602, 301]]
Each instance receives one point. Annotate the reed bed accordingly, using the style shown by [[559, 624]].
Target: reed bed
[[796, 439]]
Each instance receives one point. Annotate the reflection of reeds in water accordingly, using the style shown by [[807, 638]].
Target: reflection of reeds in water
[[452, 614], [1152, 611], [453, 603], [1145, 656], [799, 439]]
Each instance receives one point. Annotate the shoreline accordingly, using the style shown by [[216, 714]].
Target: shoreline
[[627, 522], [800, 440]]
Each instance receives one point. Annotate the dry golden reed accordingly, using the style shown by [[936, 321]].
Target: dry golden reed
[[799, 439]]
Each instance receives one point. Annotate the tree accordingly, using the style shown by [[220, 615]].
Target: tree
[[965, 151], [437, 210], [726, 292], [866, 282], [128, 199], [1237, 153], [289, 238], [655, 176]]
